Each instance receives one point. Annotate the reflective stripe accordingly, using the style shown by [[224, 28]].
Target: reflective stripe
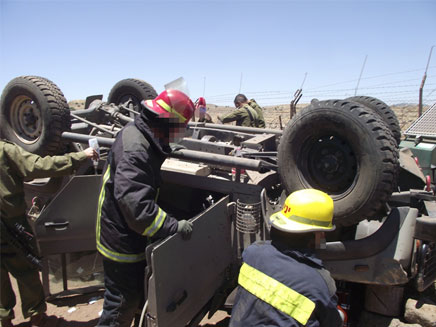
[[115, 256], [276, 294], [101, 200], [164, 105], [120, 257], [308, 221], [156, 224]]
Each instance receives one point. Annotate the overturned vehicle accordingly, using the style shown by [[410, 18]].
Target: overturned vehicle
[[228, 180]]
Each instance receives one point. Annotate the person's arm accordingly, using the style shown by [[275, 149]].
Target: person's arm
[[327, 312], [208, 118], [31, 166], [235, 115], [136, 193]]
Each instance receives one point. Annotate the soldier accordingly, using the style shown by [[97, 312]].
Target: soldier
[[16, 166], [244, 115], [128, 216], [281, 282], [253, 104]]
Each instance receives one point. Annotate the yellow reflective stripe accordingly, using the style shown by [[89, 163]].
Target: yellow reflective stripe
[[164, 105], [308, 221], [115, 256], [101, 200], [282, 220], [120, 257], [276, 294], [156, 224]]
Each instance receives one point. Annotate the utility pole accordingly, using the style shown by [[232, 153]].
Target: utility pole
[[304, 80], [240, 84], [422, 84], [360, 76]]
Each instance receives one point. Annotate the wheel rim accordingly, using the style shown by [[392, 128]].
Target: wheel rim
[[329, 164], [25, 117]]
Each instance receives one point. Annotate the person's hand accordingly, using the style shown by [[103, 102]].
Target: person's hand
[[219, 121], [184, 227], [91, 153], [176, 147]]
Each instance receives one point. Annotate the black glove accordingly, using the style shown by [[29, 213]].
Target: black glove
[[185, 228]]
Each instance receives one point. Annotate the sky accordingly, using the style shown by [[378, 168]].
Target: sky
[[266, 49]]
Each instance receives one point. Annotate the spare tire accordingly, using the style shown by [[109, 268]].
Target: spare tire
[[34, 114], [384, 111], [345, 150], [132, 91]]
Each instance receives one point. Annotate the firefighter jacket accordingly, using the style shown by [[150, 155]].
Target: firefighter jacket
[[244, 116], [128, 215], [283, 287], [261, 121], [18, 165]]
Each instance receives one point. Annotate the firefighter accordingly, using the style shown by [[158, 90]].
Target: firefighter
[[244, 114], [200, 107], [281, 282], [128, 216], [16, 166]]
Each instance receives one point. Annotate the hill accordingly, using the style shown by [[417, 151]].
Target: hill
[[278, 115]]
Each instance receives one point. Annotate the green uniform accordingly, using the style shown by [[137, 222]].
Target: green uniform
[[261, 121], [17, 166], [244, 116]]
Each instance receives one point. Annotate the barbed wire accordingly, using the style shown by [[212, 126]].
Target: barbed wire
[[391, 92], [376, 76]]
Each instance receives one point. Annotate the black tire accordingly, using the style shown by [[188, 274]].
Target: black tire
[[384, 111], [345, 150], [131, 89], [34, 114]]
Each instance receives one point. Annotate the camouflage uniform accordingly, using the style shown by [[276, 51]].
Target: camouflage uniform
[[244, 116], [261, 121], [16, 166]]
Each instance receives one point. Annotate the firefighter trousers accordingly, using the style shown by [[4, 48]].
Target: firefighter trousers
[[124, 292]]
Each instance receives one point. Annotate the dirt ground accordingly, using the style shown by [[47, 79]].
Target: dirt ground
[[83, 310]]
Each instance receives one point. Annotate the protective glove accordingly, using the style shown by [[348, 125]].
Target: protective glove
[[185, 228], [176, 147]]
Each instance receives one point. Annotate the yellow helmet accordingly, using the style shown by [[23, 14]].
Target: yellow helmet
[[304, 211]]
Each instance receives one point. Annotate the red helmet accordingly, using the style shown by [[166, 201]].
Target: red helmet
[[171, 103], [201, 101]]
